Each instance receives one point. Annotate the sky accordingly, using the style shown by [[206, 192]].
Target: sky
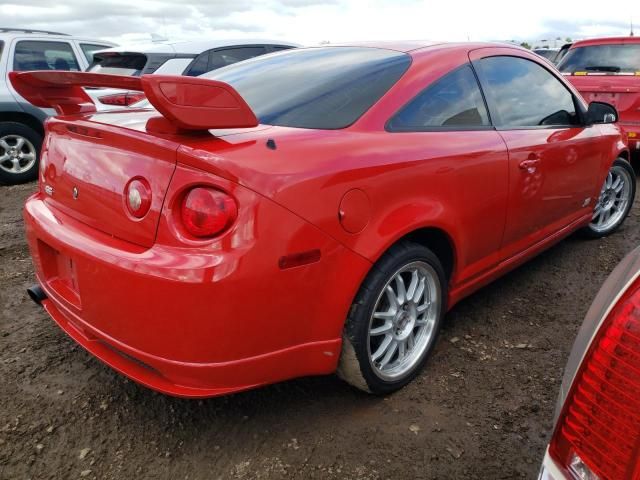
[[310, 22]]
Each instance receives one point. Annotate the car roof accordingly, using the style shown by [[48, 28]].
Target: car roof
[[193, 47], [7, 33], [605, 41], [416, 46]]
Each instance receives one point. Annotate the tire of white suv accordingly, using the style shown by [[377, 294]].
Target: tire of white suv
[[19, 153]]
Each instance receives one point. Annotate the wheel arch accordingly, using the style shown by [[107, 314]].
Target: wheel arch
[[24, 118], [436, 239]]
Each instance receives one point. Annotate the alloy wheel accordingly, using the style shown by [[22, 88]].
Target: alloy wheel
[[17, 154], [613, 201]]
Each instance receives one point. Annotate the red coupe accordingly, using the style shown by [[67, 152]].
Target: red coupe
[[308, 211]]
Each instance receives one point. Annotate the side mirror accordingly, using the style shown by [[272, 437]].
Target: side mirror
[[600, 112]]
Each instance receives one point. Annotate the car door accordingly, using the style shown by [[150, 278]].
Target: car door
[[553, 155], [464, 166]]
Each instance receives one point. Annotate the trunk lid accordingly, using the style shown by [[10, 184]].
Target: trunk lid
[[621, 91], [86, 167]]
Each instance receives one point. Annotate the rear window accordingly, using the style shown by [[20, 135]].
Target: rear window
[[89, 48], [126, 65], [607, 59], [548, 54], [324, 88]]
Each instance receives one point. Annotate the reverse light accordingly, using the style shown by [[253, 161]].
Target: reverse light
[[207, 212], [598, 433], [138, 197], [122, 99]]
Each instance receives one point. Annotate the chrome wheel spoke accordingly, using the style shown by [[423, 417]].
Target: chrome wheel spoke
[[413, 285], [4, 145], [402, 291], [382, 348], [381, 330], [393, 346]]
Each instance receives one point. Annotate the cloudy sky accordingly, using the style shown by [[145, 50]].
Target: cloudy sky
[[314, 21]]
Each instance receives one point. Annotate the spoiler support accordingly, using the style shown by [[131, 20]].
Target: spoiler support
[[185, 103]]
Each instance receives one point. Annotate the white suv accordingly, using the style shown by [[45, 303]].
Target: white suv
[[21, 123], [171, 58]]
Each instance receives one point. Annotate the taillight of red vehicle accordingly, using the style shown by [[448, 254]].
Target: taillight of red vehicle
[[207, 212], [122, 99], [598, 433]]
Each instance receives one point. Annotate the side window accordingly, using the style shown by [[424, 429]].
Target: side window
[[199, 65], [277, 48], [454, 101], [44, 55], [524, 94], [89, 48], [228, 56]]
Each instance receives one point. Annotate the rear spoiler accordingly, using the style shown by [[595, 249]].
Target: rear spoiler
[[185, 103]]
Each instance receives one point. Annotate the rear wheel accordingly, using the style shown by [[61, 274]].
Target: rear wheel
[[615, 200], [394, 321], [19, 153]]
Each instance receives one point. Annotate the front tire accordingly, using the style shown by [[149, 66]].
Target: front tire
[[394, 322], [19, 153], [615, 201]]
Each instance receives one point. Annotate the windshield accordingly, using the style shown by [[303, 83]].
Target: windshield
[[126, 65], [324, 88], [603, 59]]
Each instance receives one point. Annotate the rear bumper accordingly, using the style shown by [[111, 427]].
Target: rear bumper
[[193, 322]]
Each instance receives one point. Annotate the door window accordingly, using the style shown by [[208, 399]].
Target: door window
[[44, 55], [453, 102], [521, 93]]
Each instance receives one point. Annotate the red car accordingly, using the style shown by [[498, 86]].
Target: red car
[[308, 211], [608, 70]]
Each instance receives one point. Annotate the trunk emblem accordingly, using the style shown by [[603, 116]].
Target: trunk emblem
[[75, 193], [48, 189]]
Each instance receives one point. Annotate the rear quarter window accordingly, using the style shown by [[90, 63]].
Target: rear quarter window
[[89, 48], [322, 88]]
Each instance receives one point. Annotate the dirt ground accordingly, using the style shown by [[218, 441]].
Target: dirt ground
[[481, 409]]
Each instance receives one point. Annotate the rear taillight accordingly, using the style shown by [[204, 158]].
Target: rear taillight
[[137, 196], [122, 99], [598, 433], [207, 212]]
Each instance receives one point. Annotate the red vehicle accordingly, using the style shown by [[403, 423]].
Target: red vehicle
[[608, 70], [308, 211]]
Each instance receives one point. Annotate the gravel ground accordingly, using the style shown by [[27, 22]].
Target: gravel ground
[[481, 409]]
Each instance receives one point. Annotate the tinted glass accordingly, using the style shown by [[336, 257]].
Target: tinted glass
[[602, 58], [325, 87], [88, 49], [453, 101], [126, 65], [546, 53], [199, 65], [229, 56], [524, 94], [39, 55]]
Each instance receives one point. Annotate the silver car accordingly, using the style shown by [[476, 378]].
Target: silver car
[[21, 123], [597, 420]]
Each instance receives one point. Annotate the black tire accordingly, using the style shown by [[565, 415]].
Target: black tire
[[621, 167], [355, 365], [12, 129]]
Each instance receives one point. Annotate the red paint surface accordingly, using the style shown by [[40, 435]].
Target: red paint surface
[[212, 316]]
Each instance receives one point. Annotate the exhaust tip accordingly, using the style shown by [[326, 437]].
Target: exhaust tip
[[36, 293]]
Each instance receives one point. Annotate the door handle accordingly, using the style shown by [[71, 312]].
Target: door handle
[[529, 163]]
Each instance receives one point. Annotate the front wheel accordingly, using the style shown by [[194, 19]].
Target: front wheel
[[394, 322], [615, 201]]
